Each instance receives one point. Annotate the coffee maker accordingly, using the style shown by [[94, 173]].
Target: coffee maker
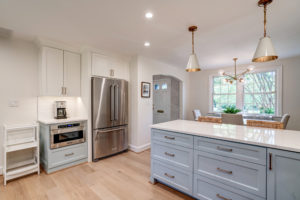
[[60, 110]]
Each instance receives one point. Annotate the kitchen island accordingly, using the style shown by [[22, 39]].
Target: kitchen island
[[222, 161]]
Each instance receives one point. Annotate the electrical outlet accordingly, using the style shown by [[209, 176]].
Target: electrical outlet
[[13, 103], [112, 72]]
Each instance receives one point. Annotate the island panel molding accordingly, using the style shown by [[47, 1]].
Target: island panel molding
[[229, 161]]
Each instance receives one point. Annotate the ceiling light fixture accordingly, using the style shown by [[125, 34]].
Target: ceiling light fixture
[[147, 44], [148, 15], [235, 77], [265, 50], [193, 65]]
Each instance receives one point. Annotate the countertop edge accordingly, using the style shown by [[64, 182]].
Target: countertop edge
[[230, 139]]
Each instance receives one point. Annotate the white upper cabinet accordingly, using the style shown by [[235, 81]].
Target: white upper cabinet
[[109, 67], [72, 75], [51, 71], [60, 72]]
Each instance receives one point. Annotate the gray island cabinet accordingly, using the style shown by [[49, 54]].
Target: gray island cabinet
[[226, 162]]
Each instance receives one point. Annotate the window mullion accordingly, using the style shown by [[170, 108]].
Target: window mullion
[[239, 95]]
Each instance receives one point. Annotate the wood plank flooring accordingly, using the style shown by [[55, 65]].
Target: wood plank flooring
[[122, 177]]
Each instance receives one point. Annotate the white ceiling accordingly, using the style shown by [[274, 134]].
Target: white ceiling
[[226, 28]]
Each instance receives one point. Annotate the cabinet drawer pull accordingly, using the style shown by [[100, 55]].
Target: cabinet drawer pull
[[169, 154], [170, 138], [225, 171], [170, 176], [270, 161], [69, 154], [224, 149], [221, 197]]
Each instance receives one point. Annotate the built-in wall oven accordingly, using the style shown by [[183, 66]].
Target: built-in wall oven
[[62, 135]]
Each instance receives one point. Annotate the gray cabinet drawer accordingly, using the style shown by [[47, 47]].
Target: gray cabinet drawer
[[242, 175], [207, 189], [179, 179], [173, 138], [244, 152], [65, 155], [173, 154]]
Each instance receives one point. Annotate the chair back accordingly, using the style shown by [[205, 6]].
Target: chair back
[[285, 119], [196, 114], [236, 119], [210, 119]]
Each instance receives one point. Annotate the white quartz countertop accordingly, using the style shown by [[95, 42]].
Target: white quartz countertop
[[274, 138], [58, 121]]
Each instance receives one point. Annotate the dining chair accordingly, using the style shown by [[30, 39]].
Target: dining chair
[[210, 119], [196, 114], [265, 124], [285, 119], [236, 119]]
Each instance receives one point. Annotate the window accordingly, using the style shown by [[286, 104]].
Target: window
[[164, 86], [224, 94], [259, 94]]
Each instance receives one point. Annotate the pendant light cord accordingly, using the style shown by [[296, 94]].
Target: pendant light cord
[[193, 42], [265, 20], [235, 69]]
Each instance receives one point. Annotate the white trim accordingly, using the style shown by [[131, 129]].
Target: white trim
[[240, 97], [138, 149], [1, 168]]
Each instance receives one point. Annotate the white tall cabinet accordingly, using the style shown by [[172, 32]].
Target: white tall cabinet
[[60, 72]]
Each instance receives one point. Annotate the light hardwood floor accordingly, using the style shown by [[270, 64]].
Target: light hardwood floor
[[125, 176]]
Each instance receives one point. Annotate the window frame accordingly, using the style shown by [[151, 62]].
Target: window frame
[[240, 90], [220, 94]]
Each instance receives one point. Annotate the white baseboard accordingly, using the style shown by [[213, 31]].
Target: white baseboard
[[138, 149]]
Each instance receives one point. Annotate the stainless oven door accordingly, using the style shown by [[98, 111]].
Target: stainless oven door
[[107, 142], [66, 136]]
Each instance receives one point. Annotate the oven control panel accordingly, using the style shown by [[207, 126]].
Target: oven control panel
[[68, 125]]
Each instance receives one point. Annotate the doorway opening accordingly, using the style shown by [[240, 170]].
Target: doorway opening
[[167, 98]]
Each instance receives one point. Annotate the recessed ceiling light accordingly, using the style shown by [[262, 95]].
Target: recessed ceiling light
[[147, 44], [148, 15]]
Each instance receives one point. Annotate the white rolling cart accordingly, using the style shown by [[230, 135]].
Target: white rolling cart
[[21, 151]]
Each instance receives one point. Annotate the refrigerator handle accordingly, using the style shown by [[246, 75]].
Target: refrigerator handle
[[116, 102], [112, 103]]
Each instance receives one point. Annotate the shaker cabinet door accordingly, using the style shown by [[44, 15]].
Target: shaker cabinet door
[[51, 71], [283, 177], [72, 73]]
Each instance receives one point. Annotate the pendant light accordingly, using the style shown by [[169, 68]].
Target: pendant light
[[265, 50], [193, 65]]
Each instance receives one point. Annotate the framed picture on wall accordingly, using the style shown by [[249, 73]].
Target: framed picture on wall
[[145, 89]]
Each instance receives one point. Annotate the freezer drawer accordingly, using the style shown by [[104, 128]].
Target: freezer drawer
[[107, 142]]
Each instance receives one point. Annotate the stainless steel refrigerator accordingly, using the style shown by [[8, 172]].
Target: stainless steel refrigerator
[[110, 116]]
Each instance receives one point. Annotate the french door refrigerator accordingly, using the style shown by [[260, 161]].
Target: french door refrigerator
[[109, 116]]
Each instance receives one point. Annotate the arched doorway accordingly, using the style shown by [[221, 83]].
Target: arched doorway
[[167, 92]]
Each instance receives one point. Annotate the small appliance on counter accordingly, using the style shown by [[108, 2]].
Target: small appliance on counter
[[60, 110]]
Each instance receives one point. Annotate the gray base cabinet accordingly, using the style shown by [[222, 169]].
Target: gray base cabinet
[[213, 169], [283, 175], [55, 159]]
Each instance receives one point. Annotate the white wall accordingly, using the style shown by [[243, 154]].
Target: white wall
[[18, 82], [143, 69], [199, 85], [75, 107]]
